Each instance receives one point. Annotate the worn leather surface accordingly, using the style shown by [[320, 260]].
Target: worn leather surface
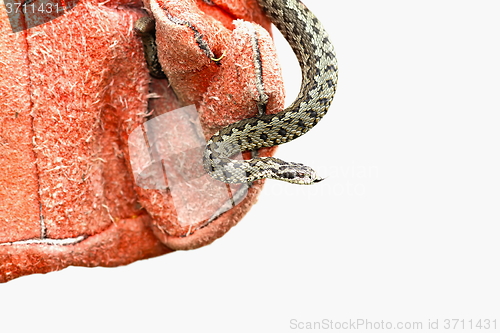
[[73, 89]]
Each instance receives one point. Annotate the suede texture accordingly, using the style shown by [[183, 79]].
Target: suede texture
[[73, 89]]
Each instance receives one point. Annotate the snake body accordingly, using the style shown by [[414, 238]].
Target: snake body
[[315, 53], [145, 27]]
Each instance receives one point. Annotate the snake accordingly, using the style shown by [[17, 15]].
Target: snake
[[316, 56]]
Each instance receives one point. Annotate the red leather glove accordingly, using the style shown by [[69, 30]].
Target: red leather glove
[[74, 88]]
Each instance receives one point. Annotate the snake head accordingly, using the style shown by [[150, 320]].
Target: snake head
[[297, 173]]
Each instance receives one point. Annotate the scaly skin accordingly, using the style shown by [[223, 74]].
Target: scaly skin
[[316, 57]]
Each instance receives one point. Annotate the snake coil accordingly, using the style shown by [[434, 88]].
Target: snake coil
[[316, 56]]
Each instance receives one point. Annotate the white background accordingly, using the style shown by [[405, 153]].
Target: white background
[[405, 228]]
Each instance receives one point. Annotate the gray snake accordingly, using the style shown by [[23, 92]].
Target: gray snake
[[314, 51]]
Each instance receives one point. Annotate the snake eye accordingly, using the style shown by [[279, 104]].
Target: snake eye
[[288, 175]]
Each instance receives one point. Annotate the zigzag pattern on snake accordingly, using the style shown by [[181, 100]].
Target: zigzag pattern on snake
[[316, 56]]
